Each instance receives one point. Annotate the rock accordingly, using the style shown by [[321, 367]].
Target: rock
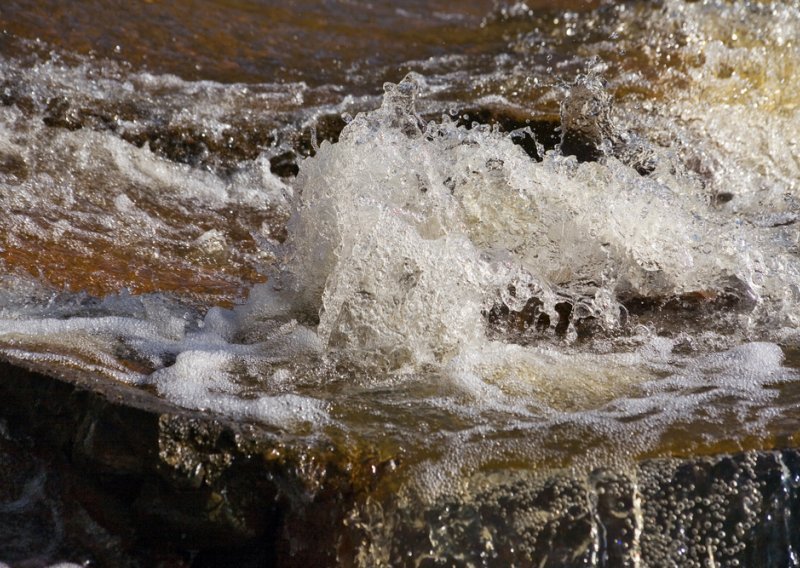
[[157, 482], [100, 472], [740, 510]]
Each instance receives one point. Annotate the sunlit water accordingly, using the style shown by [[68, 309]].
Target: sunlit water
[[439, 278]]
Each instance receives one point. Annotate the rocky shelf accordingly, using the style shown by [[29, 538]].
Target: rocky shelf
[[101, 473]]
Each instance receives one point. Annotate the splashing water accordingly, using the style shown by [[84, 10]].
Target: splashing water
[[569, 241], [405, 237], [612, 293]]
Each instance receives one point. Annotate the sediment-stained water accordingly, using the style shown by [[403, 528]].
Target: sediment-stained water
[[492, 240]]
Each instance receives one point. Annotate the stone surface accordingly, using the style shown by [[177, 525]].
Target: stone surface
[[98, 472], [96, 469]]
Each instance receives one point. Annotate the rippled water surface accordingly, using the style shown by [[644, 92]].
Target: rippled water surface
[[561, 234]]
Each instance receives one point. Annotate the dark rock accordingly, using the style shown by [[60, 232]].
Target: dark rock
[[534, 134], [154, 480], [100, 472]]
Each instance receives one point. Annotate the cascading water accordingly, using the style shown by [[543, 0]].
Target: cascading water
[[488, 302]]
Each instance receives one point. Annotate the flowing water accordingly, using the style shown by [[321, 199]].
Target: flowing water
[[483, 237]]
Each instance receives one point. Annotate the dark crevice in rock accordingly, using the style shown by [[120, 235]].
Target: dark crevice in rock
[[721, 198], [506, 323]]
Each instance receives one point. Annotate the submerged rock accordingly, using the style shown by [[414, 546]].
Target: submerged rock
[[104, 473]]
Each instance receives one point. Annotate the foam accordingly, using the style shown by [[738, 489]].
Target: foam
[[196, 364], [205, 380], [404, 234]]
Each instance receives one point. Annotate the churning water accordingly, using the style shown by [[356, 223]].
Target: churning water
[[558, 236]]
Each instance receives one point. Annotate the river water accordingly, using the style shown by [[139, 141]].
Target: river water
[[481, 235]]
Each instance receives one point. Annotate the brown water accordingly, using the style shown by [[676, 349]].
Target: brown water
[[340, 42]]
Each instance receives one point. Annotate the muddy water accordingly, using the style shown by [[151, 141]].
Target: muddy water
[[562, 235], [345, 42]]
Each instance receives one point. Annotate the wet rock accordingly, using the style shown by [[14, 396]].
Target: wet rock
[[736, 510], [219, 140], [182, 142], [699, 309], [155, 482], [195, 144], [94, 471], [671, 314]]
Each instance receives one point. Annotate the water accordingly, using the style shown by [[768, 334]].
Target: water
[[560, 236]]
